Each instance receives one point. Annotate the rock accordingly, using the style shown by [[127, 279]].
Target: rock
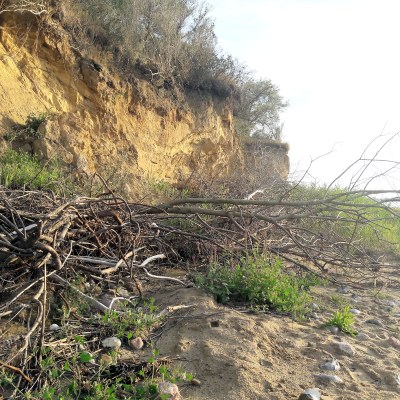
[[355, 298], [343, 289], [54, 327], [195, 382], [168, 388], [136, 343], [345, 348], [315, 307], [325, 378], [311, 394], [334, 329], [354, 311], [112, 343], [314, 315], [374, 321], [392, 379], [390, 303], [362, 336], [331, 365]]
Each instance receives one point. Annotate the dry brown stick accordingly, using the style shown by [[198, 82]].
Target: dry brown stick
[[36, 323], [49, 249], [17, 370]]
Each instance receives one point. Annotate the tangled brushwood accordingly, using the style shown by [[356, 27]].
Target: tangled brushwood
[[58, 258]]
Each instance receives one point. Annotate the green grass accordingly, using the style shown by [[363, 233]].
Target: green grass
[[261, 282], [20, 169], [344, 320]]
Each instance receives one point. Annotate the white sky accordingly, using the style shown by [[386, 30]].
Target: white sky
[[336, 61]]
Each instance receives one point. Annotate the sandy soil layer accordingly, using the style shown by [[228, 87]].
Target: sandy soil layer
[[238, 355]]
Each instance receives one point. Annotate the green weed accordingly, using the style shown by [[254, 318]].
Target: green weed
[[20, 169], [134, 320], [344, 320], [262, 282]]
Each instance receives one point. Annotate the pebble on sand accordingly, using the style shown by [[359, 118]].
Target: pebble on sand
[[326, 378], [345, 348], [112, 343], [169, 389], [311, 394], [332, 365]]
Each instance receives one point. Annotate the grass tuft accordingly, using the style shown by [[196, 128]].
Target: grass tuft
[[262, 282]]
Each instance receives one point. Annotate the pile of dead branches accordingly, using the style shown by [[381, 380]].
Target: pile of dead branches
[[47, 242]]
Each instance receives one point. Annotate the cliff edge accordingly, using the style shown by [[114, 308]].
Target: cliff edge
[[98, 121]]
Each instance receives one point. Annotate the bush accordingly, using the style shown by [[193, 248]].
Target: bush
[[260, 281]]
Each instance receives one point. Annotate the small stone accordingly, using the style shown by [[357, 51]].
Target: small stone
[[392, 379], [54, 327], [355, 298], [344, 290], [354, 311], [331, 365], [345, 348], [168, 388], [195, 382], [334, 329], [106, 359], [314, 315], [136, 343], [315, 307], [374, 321], [311, 394], [325, 378], [361, 336], [112, 343]]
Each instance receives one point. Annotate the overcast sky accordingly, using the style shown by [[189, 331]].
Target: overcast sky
[[336, 61]]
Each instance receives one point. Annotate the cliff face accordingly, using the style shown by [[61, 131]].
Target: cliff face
[[100, 122]]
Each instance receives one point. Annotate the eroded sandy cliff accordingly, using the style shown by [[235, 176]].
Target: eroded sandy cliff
[[99, 121]]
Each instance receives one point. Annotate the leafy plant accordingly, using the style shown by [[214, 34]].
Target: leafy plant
[[134, 320], [344, 320], [260, 281]]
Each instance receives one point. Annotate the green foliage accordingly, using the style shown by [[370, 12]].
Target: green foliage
[[30, 130], [20, 169], [135, 320], [257, 112], [260, 281], [344, 320]]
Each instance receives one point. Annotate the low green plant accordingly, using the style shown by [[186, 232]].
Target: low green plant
[[262, 282], [20, 169], [344, 320], [135, 319], [30, 130]]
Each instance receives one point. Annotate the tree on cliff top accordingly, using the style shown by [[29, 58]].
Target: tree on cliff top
[[257, 112], [173, 43]]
